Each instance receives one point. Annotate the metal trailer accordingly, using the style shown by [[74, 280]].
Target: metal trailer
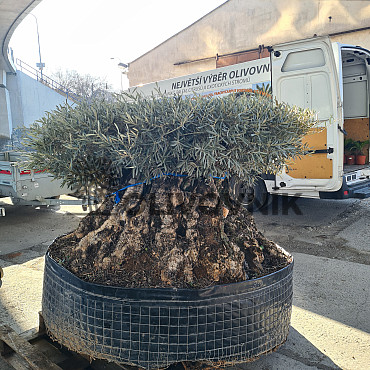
[[33, 188]]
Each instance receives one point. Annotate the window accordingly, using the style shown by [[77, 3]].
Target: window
[[298, 60]]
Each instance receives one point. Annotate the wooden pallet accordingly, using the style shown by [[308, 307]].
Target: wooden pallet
[[35, 350]]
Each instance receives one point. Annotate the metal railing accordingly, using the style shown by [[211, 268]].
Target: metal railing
[[47, 81]]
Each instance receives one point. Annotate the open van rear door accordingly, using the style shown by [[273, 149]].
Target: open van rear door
[[304, 73]]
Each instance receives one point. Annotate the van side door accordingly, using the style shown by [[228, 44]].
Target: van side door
[[304, 73]]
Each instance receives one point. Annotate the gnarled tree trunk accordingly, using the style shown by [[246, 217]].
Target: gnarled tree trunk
[[173, 232]]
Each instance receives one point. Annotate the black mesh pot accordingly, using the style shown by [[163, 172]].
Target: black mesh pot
[[153, 328]]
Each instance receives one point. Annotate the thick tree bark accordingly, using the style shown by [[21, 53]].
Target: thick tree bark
[[171, 233]]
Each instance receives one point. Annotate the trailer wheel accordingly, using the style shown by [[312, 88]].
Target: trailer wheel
[[253, 198]]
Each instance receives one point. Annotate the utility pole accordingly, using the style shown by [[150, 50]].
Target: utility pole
[[40, 65]]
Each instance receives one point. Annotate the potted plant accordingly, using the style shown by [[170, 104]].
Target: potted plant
[[349, 156], [170, 267], [357, 147]]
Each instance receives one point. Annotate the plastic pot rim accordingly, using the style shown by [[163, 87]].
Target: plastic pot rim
[[213, 291]]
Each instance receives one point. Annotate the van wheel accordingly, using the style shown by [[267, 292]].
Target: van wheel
[[253, 198]]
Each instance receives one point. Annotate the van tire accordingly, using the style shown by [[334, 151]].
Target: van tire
[[252, 198]]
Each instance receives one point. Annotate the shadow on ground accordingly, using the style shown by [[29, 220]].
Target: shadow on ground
[[25, 227]]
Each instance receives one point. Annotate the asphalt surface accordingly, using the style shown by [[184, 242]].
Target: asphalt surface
[[330, 242]]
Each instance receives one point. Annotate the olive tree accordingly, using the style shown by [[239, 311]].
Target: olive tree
[[165, 163]]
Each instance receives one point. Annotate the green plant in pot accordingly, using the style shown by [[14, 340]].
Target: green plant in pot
[[358, 150], [349, 156], [169, 220]]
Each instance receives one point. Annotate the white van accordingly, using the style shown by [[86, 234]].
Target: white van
[[329, 78]]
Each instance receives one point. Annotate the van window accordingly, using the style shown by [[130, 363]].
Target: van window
[[303, 59]]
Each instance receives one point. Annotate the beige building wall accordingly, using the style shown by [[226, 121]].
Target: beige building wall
[[239, 25]]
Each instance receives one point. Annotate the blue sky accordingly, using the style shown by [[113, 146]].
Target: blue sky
[[84, 35]]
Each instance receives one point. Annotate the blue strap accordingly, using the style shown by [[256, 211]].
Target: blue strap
[[117, 198]]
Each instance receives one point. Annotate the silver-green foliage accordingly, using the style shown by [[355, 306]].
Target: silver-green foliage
[[241, 136]]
